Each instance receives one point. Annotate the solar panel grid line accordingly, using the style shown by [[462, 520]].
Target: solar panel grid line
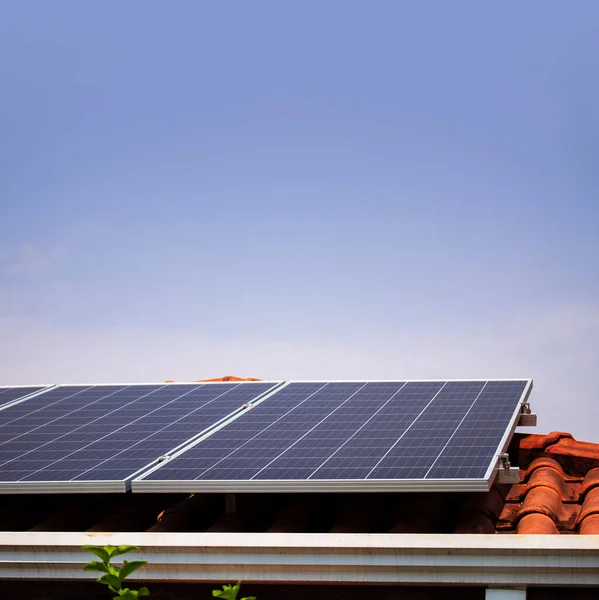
[[43, 407], [310, 430], [24, 386], [446, 440], [230, 387], [193, 441], [339, 386], [415, 452], [59, 463], [225, 420], [358, 431], [305, 412], [21, 389], [284, 412], [95, 441], [508, 433], [477, 442], [320, 429], [158, 430], [45, 423], [405, 431], [268, 427], [54, 438], [8, 486], [13, 395], [456, 429]]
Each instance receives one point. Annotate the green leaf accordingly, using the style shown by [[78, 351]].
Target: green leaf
[[127, 594], [143, 591], [110, 580], [100, 552], [129, 567], [117, 550], [249, 598], [229, 592], [94, 565]]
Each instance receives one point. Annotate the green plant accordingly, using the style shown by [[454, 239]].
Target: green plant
[[229, 592], [114, 577]]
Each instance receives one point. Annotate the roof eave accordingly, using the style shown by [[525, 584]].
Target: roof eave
[[438, 559]]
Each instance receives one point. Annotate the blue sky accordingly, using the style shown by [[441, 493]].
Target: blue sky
[[302, 190]]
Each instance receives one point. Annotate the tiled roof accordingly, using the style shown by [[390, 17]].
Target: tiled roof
[[558, 490]]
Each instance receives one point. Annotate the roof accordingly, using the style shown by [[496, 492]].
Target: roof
[[558, 490], [558, 493]]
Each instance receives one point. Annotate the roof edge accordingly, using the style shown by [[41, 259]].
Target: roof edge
[[317, 558]]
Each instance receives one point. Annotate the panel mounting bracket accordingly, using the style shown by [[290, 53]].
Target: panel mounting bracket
[[527, 417], [506, 473]]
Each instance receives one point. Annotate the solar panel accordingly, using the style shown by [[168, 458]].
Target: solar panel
[[95, 438], [18, 392], [354, 436]]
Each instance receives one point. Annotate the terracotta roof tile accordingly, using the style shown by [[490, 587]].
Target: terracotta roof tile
[[590, 506], [590, 525], [549, 476], [590, 481], [217, 379], [537, 524], [227, 378], [558, 490], [576, 458]]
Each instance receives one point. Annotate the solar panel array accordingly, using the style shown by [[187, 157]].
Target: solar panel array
[[9, 394], [258, 436], [309, 435], [106, 433]]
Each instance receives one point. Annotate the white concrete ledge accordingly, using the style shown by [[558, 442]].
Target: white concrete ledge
[[510, 560]]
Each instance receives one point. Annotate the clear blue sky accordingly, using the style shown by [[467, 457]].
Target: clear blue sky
[[302, 190]]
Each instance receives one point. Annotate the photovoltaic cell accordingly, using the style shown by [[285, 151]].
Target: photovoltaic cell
[[8, 394], [358, 431], [473, 445], [108, 432]]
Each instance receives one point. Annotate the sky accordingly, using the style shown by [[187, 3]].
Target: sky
[[309, 190]]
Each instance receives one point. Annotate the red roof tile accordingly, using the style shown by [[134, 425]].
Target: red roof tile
[[228, 378], [216, 379], [576, 458], [558, 490]]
